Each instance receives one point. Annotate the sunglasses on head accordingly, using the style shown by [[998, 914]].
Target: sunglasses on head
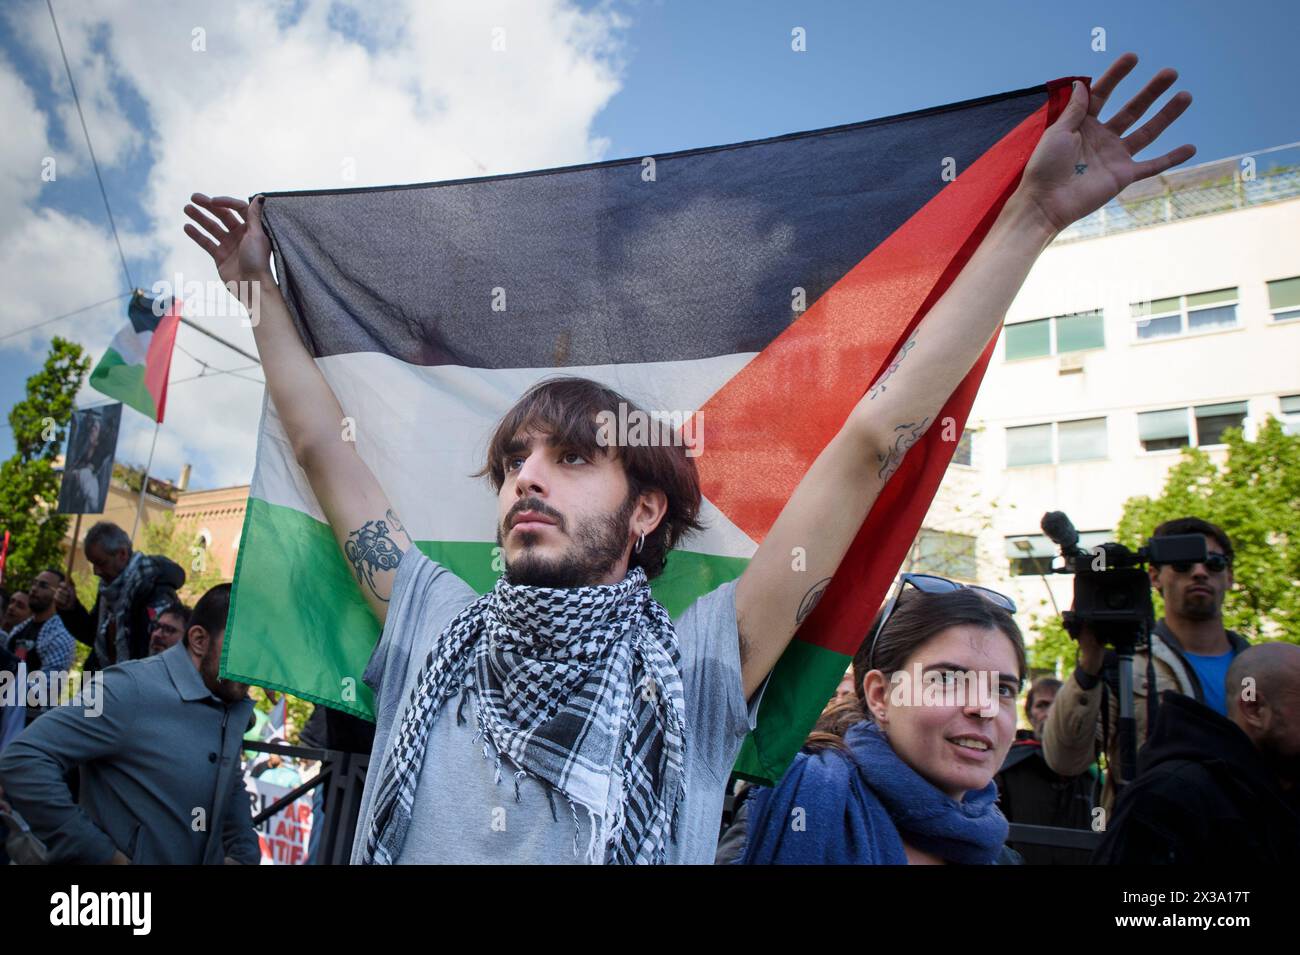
[[1214, 563], [930, 584]]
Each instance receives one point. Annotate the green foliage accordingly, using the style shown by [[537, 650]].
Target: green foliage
[[29, 486], [1053, 649], [131, 476], [180, 541], [1255, 497], [299, 711], [87, 586]]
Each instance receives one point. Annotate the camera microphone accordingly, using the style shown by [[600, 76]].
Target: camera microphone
[[1057, 526]]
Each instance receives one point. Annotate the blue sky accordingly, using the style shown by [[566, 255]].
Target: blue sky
[[725, 72], [651, 77]]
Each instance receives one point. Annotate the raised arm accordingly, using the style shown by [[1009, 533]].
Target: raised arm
[[368, 531], [1078, 166]]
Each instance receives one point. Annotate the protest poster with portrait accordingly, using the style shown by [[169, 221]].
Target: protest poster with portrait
[[88, 462]]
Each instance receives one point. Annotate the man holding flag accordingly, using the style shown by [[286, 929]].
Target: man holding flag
[[568, 675]]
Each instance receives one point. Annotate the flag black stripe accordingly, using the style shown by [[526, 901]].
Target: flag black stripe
[[596, 265]]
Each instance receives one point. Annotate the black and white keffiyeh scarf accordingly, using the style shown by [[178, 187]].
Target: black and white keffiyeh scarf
[[578, 688], [115, 600]]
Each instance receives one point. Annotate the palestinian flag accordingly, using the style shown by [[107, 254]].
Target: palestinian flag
[[762, 286], [134, 369]]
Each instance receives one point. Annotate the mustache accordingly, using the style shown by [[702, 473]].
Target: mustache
[[537, 506]]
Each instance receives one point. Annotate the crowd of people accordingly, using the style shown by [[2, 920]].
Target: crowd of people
[[147, 765], [150, 768]]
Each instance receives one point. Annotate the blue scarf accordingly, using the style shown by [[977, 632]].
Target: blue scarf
[[857, 808]]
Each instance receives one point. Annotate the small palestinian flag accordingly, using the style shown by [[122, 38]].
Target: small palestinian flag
[[134, 370], [756, 289]]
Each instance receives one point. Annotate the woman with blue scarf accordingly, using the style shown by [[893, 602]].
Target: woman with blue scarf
[[912, 781]]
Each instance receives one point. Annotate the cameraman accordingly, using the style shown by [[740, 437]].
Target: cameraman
[[1192, 654]]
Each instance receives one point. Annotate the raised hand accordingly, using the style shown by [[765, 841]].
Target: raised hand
[[232, 234], [1081, 163]]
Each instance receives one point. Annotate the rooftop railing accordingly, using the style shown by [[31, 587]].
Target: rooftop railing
[[1237, 182]]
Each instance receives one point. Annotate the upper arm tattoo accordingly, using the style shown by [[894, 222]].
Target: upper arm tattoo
[[810, 600], [905, 435], [371, 549], [879, 387]]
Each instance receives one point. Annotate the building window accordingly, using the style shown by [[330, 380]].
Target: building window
[[1029, 339], [1162, 430], [1158, 319], [1083, 440], [1284, 298], [1291, 413], [1031, 554], [1175, 427], [1029, 445], [964, 445], [1213, 420], [1080, 332], [945, 554], [1056, 335], [1183, 314]]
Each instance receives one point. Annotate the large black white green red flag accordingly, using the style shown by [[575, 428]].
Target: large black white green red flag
[[761, 286]]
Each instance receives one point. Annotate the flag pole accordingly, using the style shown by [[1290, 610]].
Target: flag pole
[[72, 549], [144, 482]]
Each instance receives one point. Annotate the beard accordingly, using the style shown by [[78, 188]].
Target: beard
[[226, 690], [1199, 607], [598, 544]]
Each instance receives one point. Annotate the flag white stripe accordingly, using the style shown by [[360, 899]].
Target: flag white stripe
[[424, 430], [131, 345]]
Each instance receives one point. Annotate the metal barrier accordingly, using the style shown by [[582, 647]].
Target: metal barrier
[[342, 777], [1054, 836]]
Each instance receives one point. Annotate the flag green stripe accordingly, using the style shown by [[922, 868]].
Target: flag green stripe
[[115, 378], [317, 648], [801, 682]]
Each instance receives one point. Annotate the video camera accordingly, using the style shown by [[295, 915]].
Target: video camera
[[1112, 598], [1112, 591]]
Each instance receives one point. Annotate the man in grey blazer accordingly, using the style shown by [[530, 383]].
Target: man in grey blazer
[[158, 749]]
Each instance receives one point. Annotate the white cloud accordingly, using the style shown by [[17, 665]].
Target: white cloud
[[51, 263], [22, 148], [410, 91]]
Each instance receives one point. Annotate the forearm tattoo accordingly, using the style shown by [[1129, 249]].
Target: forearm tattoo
[[905, 435], [879, 387], [810, 600], [371, 549]]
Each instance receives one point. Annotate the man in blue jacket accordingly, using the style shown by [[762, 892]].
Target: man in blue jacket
[[157, 745]]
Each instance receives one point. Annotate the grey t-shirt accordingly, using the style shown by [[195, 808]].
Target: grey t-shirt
[[462, 814]]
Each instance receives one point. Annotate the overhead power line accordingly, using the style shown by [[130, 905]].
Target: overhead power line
[[75, 311], [93, 161], [108, 208]]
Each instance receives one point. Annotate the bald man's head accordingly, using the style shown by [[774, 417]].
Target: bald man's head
[[1263, 691]]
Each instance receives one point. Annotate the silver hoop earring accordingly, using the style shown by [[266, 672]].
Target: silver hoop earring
[[639, 544]]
